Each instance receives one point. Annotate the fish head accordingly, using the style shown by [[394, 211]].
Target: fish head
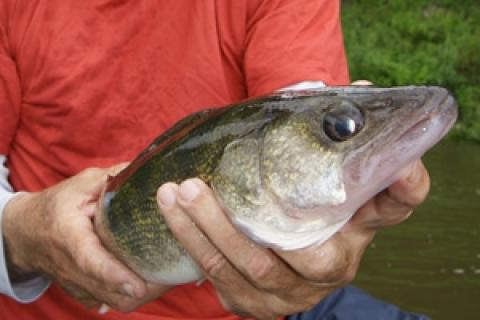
[[380, 132], [336, 149]]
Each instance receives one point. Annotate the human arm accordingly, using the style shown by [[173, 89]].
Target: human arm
[[22, 289]]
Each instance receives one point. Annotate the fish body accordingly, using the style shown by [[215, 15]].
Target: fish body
[[290, 169]]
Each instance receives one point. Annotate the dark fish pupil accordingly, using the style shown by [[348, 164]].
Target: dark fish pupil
[[343, 123], [344, 127]]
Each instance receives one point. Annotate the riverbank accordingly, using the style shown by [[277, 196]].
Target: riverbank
[[435, 42]]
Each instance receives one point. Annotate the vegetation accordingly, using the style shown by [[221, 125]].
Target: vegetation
[[436, 42]]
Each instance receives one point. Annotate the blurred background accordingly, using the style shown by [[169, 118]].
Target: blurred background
[[431, 263]]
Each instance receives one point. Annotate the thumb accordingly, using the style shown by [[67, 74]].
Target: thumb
[[114, 170], [93, 181]]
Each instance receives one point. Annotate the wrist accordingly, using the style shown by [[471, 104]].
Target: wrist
[[18, 237]]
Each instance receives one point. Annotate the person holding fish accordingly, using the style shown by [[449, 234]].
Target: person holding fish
[[86, 85]]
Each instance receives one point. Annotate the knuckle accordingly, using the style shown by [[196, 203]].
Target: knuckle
[[214, 264], [313, 272], [324, 273], [337, 274], [260, 269], [408, 198], [333, 268]]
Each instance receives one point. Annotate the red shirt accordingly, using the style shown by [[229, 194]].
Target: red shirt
[[91, 83]]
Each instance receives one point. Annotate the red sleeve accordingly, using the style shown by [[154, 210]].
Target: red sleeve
[[289, 41], [10, 97]]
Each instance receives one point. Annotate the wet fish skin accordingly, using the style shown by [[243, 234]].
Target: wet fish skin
[[272, 166]]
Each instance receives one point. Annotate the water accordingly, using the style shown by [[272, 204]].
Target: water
[[431, 263]]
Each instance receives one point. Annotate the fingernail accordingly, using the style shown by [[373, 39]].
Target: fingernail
[[166, 195], [414, 173], [103, 309], [189, 190], [362, 83], [127, 290]]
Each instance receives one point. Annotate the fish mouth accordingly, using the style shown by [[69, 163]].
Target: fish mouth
[[443, 114], [385, 158]]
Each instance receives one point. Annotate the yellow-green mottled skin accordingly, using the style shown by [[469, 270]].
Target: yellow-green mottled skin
[[133, 227], [267, 160]]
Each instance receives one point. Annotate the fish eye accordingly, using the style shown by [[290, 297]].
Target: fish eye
[[343, 122]]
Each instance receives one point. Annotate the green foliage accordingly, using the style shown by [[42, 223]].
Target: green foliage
[[435, 42]]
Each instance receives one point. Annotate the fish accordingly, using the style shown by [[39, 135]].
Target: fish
[[289, 169]]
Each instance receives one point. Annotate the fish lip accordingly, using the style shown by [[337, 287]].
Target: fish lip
[[439, 114], [445, 108]]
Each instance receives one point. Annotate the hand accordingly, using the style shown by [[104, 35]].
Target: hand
[[264, 284], [51, 232]]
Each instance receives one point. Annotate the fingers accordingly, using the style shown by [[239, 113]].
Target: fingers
[[250, 280], [106, 271], [396, 203], [409, 191], [335, 261], [78, 260], [114, 170], [255, 281], [91, 181], [93, 266], [258, 264], [77, 256], [58, 239], [214, 264], [330, 264]]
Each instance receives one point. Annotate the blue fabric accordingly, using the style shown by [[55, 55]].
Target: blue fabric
[[350, 303]]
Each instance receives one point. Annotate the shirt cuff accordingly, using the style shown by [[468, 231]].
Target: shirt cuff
[[24, 291]]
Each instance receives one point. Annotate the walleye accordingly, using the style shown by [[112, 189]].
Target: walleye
[[290, 169]]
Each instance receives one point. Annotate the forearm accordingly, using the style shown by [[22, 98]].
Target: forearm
[[22, 286], [17, 272]]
